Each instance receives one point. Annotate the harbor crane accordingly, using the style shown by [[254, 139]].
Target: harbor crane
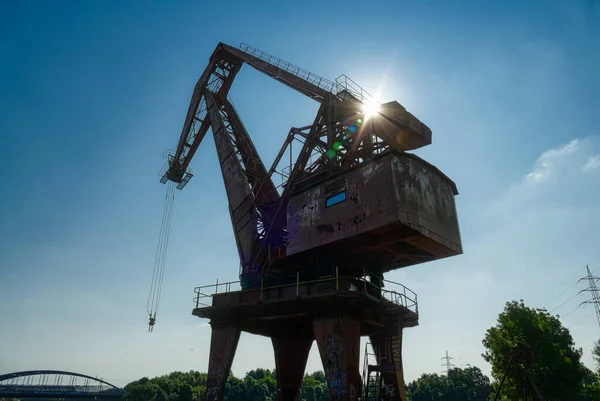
[[343, 203]]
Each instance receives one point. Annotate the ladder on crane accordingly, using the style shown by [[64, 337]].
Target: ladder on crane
[[371, 375], [379, 372]]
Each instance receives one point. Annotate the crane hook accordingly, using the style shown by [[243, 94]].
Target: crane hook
[[151, 323]]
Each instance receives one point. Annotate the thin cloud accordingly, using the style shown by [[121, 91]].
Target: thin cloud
[[592, 164], [556, 180], [549, 160]]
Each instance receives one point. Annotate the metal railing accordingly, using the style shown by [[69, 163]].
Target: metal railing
[[341, 84], [308, 76], [400, 295]]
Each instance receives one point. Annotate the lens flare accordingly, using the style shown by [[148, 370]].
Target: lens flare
[[370, 109], [331, 154], [352, 128], [337, 146]]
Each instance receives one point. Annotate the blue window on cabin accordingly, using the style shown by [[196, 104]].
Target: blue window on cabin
[[335, 199]]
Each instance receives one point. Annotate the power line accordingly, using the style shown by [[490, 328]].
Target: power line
[[594, 290], [566, 302], [571, 311], [571, 286], [585, 317], [574, 296], [572, 276]]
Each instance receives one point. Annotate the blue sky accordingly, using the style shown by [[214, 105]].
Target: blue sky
[[91, 93]]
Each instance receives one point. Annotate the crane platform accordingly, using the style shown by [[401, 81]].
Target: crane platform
[[265, 310]]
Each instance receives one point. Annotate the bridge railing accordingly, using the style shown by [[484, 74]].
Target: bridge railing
[[397, 294], [51, 389]]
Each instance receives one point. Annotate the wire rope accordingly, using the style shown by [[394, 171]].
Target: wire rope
[[158, 272]]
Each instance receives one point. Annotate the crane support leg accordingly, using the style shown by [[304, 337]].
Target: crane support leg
[[387, 345], [291, 354], [223, 344], [338, 339]]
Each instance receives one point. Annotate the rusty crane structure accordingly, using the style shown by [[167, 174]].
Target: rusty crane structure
[[342, 204]]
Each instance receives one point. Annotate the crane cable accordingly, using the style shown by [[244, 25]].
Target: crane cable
[[161, 257]]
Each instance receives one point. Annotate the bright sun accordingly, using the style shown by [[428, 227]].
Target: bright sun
[[370, 109]]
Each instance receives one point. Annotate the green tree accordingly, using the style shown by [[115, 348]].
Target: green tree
[[140, 390], [235, 389], [591, 389], [260, 373], [254, 390], [319, 376], [557, 371], [468, 384], [257, 385], [596, 355], [314, 388], [428, 387]]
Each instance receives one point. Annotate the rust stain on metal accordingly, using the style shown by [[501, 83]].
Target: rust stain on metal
[[224, 341], [398, 192], [338, 340]]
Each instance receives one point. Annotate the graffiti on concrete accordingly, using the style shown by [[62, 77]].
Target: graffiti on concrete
[[215, 379], [336, 376], [338, 383], [212, 393], [333, 351], [388, 390], [352, 393]]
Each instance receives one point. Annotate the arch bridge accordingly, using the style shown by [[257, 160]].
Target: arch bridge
[[56, 384]]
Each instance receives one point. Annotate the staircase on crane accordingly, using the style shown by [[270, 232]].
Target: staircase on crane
[[379, 371], [371, 376]]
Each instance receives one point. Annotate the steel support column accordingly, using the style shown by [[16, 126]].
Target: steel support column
[[223, 344], [387, 345], [291, 355], [338, 339]]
